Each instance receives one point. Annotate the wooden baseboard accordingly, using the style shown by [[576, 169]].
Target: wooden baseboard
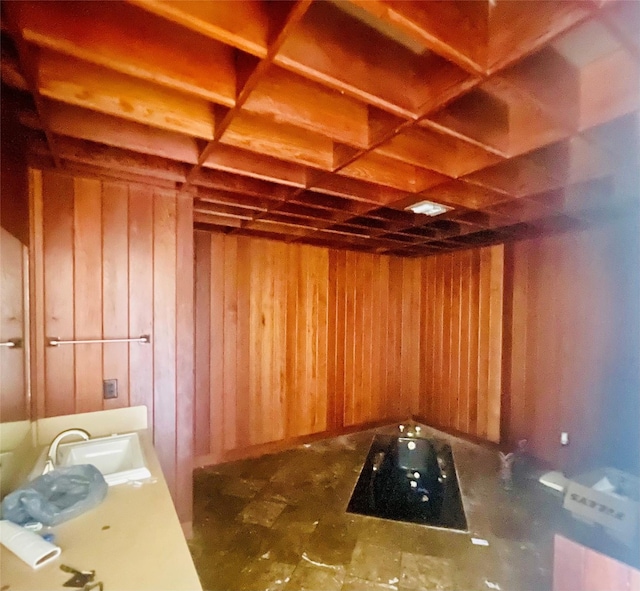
[[283, 444], [466, 436], [253, 451]]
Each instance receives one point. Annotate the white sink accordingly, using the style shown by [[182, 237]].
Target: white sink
[[118, 457]]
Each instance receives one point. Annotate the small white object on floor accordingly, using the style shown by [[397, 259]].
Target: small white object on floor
[[554, 479], [479, 542], [492, 585]]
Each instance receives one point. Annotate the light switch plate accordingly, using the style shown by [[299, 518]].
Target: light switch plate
[[109, 389]]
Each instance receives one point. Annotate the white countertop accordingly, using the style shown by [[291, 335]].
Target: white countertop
[[133, 540]]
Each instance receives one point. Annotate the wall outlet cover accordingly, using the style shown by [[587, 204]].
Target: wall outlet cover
[[109, 389]]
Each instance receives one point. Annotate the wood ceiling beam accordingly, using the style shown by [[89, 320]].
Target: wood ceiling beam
[[100, 156], [100, 89], [295, 14], [84, 124], [245, 162], [294, 124], [248, 25], [29, 68], [113, 35]]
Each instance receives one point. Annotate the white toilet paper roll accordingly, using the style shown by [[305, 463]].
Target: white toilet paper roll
[[26, 545]]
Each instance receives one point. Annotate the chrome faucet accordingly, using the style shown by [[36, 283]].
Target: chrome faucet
[[52, 454]]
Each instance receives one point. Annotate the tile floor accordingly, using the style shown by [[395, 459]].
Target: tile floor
[[279, 523]]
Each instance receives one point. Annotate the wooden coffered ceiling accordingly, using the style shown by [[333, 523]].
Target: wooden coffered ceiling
[[321, 121]]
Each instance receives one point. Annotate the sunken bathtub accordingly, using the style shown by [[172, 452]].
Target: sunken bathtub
[[410, 478]]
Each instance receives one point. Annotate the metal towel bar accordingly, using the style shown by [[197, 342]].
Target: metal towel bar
[[12, 343], [55, 341]]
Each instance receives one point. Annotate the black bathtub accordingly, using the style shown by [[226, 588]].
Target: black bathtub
[[410, 479]]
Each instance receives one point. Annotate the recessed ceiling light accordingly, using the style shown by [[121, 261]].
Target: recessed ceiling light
[[428, 208]]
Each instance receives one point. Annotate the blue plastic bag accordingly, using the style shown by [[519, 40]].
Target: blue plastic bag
[[56, 497]]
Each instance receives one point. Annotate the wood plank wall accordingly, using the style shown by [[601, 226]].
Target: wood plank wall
[[293, 340], [573, 346], [112, 260], [461, 356], [14, 399], [578, 568]]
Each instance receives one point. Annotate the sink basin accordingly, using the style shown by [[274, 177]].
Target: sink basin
[[118, 457]]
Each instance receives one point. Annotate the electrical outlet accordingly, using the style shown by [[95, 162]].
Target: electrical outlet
[[564, 438], [109, 389]]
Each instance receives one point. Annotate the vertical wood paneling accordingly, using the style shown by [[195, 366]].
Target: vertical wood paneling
[[548, 378], [141, 387], [445, 404], [335, 339], [394, 347], [474, 343], [578, 568], [37, 303], [484, 341], [204, 414], [304, 410], [341, 333], [243, 401], [113, 260], [375, 313], [359, 369], [462, 321], [322, 376], [293, 284], [267, 338], [230, 328], [115, 287], [382, 325], [332, 337], [217, 329], [572, 356], [410, 345], [164, 323], [349, 342], [427, 346], [465, 341], [454, 351], [493, 404], [260, 370], [279, 385], [435, 350], [58, 264], [88, 291], [184, 357]]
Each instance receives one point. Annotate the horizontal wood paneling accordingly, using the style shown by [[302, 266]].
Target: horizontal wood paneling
[[113, 260], [305, 340], [573, 346]]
